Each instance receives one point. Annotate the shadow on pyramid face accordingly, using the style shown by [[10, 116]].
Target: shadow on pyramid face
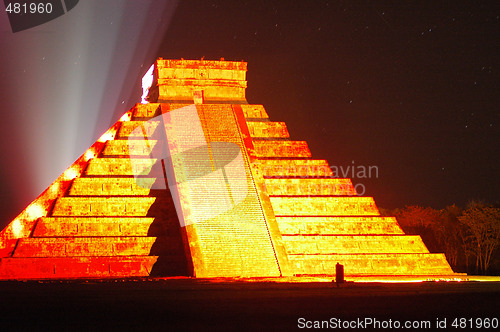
[[169, 246]]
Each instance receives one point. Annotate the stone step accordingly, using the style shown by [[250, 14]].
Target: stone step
[[254, 111], [124, 167], [281, 149], [324, 206], [104, 206], [138, 129], [94, 246], [76, 267], [338, 225], [173, 89], [354, 244], [371, 264], [84, 246], [126, 148], [112, 186], [196, 75], [93, 226], [310, 186], [149, 110], [295, 168], [268, 129]]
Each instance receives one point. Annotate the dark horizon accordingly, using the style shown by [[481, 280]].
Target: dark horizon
[[410, 89]]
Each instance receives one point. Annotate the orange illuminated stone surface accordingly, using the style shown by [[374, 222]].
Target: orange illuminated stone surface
[[233, 196]]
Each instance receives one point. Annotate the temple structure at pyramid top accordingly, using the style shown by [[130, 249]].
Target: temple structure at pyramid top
[[194, 181], [186, 80]]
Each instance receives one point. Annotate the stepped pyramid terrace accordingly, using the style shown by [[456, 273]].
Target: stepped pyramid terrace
[[194, 181]]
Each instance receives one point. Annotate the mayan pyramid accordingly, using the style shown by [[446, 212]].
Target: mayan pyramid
[[196, 182]]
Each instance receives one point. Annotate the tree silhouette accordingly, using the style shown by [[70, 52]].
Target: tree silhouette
[[416, 217], [421, 221], [462, 234], [447, 233], [482, 232]]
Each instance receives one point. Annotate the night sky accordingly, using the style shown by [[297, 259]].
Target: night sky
[[408, 87]]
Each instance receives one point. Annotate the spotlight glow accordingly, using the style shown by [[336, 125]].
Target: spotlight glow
[[17, 228], [147, 82], [35, 211], [70, 173], [89, 154], [125, 117], [76, 69], [106, 137]]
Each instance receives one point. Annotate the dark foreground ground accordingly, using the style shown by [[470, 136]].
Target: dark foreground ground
[[199, 305]]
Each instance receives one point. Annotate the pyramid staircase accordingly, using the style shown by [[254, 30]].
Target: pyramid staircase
[[95, 221], [321, 219], [101, 224]]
